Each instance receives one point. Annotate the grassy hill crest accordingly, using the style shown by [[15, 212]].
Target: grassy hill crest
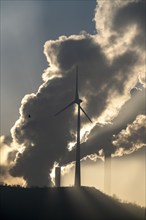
[[65, 203]]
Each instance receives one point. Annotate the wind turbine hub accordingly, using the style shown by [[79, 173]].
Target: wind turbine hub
[[78, 101]]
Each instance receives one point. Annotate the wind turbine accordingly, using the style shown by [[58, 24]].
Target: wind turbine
[[77, 101]]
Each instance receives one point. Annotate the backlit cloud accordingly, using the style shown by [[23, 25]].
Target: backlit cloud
[[8, 155], [110, 63], [132, 138]]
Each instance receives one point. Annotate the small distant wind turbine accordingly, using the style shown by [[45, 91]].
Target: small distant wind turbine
[[77, 101]]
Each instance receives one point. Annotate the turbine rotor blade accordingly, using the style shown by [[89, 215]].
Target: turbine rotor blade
[[85, 114], [65, 108]]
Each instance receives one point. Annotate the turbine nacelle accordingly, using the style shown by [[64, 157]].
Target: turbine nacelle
[[78, 101]]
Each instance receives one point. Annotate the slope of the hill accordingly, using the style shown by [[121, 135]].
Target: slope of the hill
[[64, 203]]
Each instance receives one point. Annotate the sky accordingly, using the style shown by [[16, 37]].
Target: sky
[[41, 44], [25, 27]]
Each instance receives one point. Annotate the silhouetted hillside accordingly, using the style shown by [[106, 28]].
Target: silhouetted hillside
[[64, 203]]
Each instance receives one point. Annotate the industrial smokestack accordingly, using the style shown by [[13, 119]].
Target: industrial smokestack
[[57, 176], [107, 174]]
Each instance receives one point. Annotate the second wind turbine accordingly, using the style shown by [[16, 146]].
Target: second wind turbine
[[77, 101]]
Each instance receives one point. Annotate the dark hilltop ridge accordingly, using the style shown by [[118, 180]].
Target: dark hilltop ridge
[[64, 203]]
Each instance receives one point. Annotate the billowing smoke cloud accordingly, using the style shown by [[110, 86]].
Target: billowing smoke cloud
[[110, 64], [102, 136], [132, 138], [8, 155]]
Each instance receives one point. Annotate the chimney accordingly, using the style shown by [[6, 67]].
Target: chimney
[[57, 176], [107, 174]]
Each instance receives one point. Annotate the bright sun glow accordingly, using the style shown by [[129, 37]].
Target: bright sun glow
[[4, 155]]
